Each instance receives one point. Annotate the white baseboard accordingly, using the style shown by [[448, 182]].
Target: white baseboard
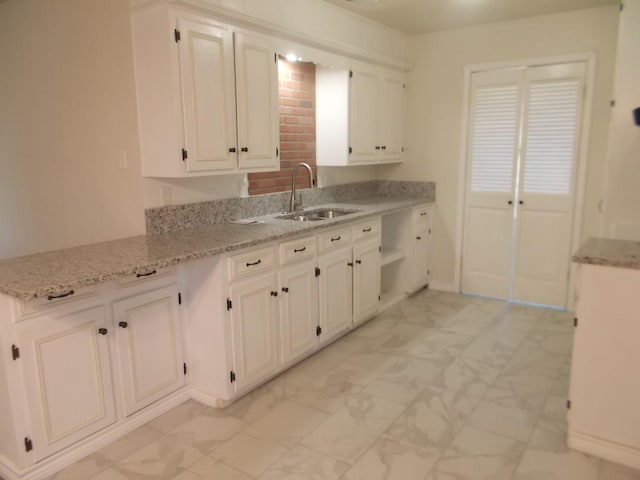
[[611, 451], [49, 466], [443, 287]]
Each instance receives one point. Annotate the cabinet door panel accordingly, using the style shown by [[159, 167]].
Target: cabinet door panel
[[365, 113], [257, 98], [253, 326], [206, 67], [420, 262], [336, 292], [68, 378], [366, 279], [392, 115], [298, 310], [149, 340]]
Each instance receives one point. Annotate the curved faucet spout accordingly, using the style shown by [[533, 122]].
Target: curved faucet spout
[[292, 201]]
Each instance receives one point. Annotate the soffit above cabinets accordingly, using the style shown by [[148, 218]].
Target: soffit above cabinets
[[423, 16]]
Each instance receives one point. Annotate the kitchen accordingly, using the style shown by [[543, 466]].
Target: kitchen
[[87, 137]]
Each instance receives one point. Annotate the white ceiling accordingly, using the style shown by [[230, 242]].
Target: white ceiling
[[422, 16]]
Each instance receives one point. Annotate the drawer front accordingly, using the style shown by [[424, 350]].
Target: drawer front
[[145, 280], [298, 249], [29, 308], [334, 239], [422, 215], [251, 262], [368, 229]]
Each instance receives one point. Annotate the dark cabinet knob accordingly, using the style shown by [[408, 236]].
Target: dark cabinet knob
[[232, 150], [418, 238], [521, 202], [510, 202], [244, 149], [359, 262], [123, 324], [377, 147], [103, 331], [285, 289], [274, 294]]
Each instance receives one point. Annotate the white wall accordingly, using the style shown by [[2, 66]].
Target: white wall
[[68, 111], [435, 99], [622, 212]]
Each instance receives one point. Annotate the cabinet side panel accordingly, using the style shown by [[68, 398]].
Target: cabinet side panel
[[332, 116], [7, 427]]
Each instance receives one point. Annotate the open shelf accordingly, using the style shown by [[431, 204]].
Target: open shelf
[[391, 255]]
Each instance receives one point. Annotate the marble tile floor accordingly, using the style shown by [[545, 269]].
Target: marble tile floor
[[440, 387]]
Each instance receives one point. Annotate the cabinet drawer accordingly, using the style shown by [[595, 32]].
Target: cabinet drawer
[[297, 249], [30, 308], [334, 239], [251, 262], [368, 229], [422, 215], [145, 280]]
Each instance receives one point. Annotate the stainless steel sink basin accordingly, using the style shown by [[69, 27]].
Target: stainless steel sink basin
[[317, 214]]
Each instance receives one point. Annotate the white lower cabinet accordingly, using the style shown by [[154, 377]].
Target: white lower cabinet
[[149, 341], [366, 279], [298, 310], [420, 265], [67, 373], [336, 292], [254, 329]]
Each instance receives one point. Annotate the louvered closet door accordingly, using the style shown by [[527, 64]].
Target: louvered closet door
[[492, 155], [551, 124]]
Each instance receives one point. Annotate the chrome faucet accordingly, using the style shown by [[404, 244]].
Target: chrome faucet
[[292, 202]]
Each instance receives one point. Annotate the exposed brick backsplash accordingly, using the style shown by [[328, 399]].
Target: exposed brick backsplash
[[297, 107]]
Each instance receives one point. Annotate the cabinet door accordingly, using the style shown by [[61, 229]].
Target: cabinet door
[[336, 292], [392, 98], [365, 114], [149, 339], [68, 378], [298, 310], [208, 97], [257, 97], [420, 261], [366, 279], [254, 329]]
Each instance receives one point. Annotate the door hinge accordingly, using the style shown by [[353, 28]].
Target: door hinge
[[568, 404], [350, 150], [277, 152], [350, 73], [575, 322], [184, 154], [179, 298], [275, 57], [428, 272], [317, 271], [318, 331], [613, 103], [429, 231], [184, 368], [379, 298], [28, 444], [15, 352], [229, 304], [402, 149], [404, 85], [232, 376], [176, 35], [380, 248], [621, 6]]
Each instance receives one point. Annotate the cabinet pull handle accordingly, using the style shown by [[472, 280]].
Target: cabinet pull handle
[[232, 150], [244, 149], [254, 263], [358, 262], [423, 214], [418, 238], [297, 250], [383, 147], [377, 147], [285, 289], [148, 274], [103, 331], [62, 295], [274, 294], [350, 264], [337, 239], [365, 230], [123, 324]]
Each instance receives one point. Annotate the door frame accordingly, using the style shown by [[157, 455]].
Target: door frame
[[581, 167]]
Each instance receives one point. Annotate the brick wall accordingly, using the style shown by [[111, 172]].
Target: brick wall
[[297, 104]]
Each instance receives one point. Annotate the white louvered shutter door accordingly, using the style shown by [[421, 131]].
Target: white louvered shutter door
[[492, 163], [553, 109]]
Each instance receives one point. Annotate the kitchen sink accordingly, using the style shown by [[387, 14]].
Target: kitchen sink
[[317, 214]]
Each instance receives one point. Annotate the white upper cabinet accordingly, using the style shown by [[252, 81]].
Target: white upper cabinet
[[359, 115], [257, 96], [204, 107]]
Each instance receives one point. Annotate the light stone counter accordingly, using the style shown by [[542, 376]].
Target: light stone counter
[[57, 271], [609, 252]]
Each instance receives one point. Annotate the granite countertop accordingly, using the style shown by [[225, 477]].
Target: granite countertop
[[609, 252], [39, 275]]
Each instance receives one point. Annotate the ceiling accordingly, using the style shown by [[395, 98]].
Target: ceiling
[[423, 16]]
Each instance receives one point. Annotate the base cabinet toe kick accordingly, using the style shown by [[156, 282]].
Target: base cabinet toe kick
[[80, 370]]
